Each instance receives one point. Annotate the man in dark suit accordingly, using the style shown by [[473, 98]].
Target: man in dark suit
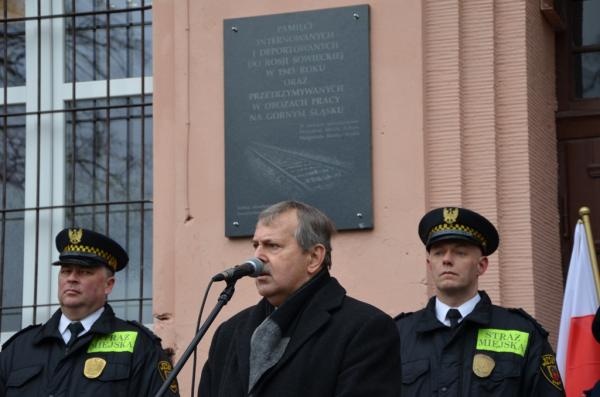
[[306, 337]]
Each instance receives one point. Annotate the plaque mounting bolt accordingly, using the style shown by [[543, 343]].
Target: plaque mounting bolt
[[356, 15], [234, 29], [236, 224], [359, 215]]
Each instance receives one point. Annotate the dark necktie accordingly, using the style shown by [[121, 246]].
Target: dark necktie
[[75, 329], [453, 315]]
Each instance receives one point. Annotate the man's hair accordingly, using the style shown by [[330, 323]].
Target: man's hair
[[109, 272], [314, 227]]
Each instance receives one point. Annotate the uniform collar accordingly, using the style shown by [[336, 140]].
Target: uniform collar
[[441, 309], [479, 315], [103, 325], [87, 323]]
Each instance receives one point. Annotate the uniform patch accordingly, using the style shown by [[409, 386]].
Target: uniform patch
[[483, 365], [550, 370], [165, 368], [93, 367], [120, 341], [502, 340]]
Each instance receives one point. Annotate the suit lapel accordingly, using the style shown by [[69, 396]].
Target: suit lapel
[[315, 316], [242, 337]]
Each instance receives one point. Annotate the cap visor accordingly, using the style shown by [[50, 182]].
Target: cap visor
[[78, 262], [452, 237]]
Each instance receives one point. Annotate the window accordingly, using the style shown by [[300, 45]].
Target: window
[[75, 146], [586, 47]]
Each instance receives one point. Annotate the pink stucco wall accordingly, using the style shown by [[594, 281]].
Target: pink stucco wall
[[462, 114], [489, 101]]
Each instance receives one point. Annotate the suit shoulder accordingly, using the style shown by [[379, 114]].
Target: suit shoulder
[[361, 310], [402, 316], [144, 330], [152, 342], [240, 317], [19, 334], [529, 318]]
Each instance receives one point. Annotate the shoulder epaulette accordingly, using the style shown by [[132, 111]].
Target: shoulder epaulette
[[5, 344], [528, 316], [144, 329], [402, 315]]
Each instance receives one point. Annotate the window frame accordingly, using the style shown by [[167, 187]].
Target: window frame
[[566, 50], [45, 96]]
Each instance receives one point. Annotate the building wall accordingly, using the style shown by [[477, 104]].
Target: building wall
[[490, 139], [462, 114]]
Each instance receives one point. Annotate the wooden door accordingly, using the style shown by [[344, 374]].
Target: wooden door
[[579, 170], [578, 117]]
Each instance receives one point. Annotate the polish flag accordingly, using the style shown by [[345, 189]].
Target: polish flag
[[578, 353]]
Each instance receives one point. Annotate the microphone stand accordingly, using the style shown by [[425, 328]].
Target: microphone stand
[[225, 296]]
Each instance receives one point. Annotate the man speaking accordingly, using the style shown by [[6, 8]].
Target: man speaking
[[306, 337]]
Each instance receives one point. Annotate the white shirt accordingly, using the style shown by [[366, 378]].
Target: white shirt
[[441, 309], [87, 323]]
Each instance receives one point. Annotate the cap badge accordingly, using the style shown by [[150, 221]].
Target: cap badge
[[75, 236], [450, 215], [93, 367], [483, 365]]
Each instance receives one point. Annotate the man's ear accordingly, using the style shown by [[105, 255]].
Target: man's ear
[[482, 265], [110, 283], [316, 258], [427, 261]]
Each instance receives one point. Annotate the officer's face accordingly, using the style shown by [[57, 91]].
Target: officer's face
[[287, 265], [82, 290], [455, 268]]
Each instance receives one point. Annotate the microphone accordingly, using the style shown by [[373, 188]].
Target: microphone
[[253, 267]]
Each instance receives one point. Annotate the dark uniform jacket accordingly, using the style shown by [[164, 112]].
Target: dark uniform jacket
[[338, 346], [493, 352], [115, 358], [595, 391]]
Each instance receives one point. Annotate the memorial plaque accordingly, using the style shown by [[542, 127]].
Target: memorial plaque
[[297, 115]]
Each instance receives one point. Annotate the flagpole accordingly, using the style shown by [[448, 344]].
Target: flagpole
[[584, 213]]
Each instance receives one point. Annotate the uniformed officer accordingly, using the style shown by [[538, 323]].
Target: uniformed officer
[[84, 349], [461, 344]]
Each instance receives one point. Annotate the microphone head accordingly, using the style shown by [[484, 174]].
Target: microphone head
[[258, 266]]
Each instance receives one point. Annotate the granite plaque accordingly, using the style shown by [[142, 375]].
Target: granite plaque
[[297, 115]]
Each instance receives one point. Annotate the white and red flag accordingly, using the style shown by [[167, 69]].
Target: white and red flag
[[578, 353]]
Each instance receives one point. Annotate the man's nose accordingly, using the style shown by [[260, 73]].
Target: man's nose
[[73, 276], [259, 253]]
